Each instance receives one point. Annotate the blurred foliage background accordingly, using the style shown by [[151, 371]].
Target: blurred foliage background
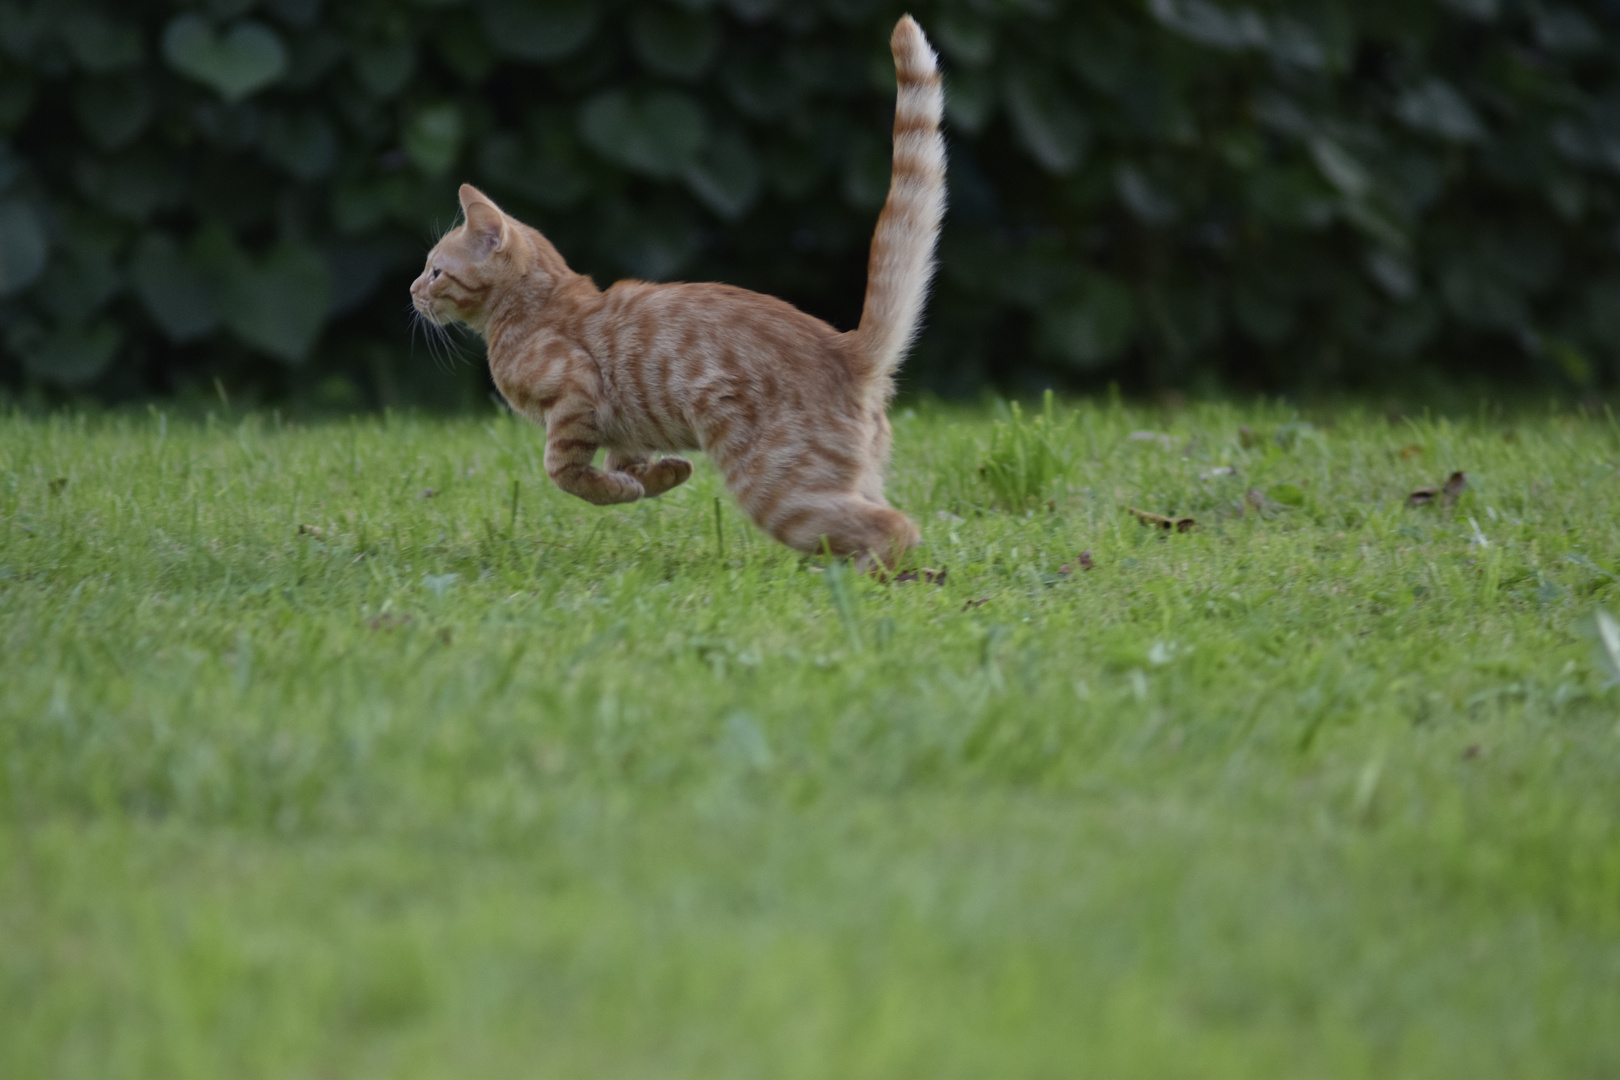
[[234, 194]]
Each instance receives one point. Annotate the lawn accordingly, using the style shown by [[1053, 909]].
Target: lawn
[[355, 749]]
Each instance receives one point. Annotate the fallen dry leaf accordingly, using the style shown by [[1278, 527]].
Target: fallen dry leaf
[[1447, 493], [1454, 485], [1410, 451], [932, 577], [1180, 524], [312, 530], [1082, 562], [980, 602]]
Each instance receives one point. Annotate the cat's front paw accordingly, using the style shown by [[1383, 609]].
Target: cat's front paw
[[664, 474], [622, 489], [605, 488]]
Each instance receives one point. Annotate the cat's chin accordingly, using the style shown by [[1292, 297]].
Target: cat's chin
[[447, 319]]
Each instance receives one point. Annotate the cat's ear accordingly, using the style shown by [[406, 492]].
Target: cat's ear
[[470, 195], [485, 222]]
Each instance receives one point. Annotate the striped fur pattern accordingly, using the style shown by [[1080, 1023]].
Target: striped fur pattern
[[790, 410]]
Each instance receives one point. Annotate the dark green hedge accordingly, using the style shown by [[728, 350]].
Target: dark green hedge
[[1163, 192]]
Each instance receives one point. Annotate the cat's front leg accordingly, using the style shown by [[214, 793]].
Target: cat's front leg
[[571, 442], [656, 477]]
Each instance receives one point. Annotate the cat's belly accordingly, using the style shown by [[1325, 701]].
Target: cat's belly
[[648, 434]]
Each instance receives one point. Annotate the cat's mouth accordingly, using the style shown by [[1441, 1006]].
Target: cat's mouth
[[429, 311]]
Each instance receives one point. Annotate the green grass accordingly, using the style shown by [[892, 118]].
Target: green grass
[[494, 784]]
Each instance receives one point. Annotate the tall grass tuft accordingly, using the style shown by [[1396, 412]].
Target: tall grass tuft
[[1027, 461]]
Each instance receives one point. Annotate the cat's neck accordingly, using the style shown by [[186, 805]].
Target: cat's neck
[[545, 294]]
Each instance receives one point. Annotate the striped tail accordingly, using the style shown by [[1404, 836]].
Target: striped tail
[[902, 259]]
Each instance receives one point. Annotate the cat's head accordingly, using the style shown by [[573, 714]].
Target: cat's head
[[469, 266]]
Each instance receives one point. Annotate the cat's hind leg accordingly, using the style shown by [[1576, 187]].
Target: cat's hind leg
[[655, 477], [813, 493], [847, 525]]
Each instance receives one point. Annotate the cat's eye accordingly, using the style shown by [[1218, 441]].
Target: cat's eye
[[434, 276]]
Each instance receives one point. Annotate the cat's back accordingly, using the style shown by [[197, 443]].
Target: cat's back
[[723, 328]]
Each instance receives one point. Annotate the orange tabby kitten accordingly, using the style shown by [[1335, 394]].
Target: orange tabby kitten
[[791, 411]]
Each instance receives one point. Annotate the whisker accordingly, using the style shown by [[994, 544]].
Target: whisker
[[447, 356], [429, 337], [452, 343]]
